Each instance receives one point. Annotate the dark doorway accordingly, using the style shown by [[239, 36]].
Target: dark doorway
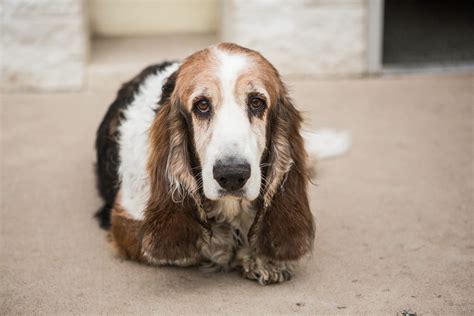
[[428, 32]]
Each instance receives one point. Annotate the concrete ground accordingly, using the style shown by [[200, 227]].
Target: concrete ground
[[394, 215]]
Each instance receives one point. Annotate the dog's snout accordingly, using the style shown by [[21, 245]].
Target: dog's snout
[[231, 176]]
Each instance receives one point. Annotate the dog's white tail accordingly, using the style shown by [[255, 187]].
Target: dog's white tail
[[326, 143]]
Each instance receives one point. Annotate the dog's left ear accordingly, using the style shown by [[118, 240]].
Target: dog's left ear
[[284, 228]]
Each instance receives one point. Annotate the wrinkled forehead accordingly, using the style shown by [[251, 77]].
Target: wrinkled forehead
[[227, 68]]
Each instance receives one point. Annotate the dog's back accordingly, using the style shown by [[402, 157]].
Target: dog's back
[[108, 140]]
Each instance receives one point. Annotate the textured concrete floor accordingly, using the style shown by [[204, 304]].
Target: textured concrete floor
[[394, 216]]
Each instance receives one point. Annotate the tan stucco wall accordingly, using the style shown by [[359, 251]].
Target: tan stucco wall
[[152, 17]]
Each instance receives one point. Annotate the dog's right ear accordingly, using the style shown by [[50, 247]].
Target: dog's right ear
[[173, 228]]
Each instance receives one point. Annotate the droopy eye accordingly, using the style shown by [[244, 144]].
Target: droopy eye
[[256, 103], [202, 105]]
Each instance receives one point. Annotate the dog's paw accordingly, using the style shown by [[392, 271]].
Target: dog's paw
[[267, 276], [265, 271]]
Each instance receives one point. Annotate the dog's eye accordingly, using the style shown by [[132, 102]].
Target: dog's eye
[[256, 103], [202, 105]]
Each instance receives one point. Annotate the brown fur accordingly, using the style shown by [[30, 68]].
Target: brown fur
[[125, 234], [171, 230], [284, 229]]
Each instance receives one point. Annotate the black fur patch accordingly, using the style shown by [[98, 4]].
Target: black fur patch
[[107, 141]]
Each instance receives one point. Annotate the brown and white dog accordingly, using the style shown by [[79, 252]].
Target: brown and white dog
[[203, 162]]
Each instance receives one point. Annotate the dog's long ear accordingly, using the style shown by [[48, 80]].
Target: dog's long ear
[[284, 228], [178, 165], [172, 229]]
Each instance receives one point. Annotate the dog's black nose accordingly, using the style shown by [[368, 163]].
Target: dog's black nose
[[231, 175]]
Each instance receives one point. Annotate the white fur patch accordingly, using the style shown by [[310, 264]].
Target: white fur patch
[[134, 143], [233, 135]]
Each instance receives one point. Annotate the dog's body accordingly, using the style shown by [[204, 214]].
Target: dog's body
[[203, 162]]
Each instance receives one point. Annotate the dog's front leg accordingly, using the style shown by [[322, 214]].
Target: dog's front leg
[[172, 238]]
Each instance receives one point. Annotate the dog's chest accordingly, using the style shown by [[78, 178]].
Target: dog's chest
[[230, 221]]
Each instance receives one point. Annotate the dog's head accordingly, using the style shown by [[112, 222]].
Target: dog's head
[[229, 123], [227, 129]]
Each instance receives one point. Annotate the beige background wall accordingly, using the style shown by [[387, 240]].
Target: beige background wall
[[152, 17]]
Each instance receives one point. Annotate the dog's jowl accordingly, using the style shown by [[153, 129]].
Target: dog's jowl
[[201, 162]]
